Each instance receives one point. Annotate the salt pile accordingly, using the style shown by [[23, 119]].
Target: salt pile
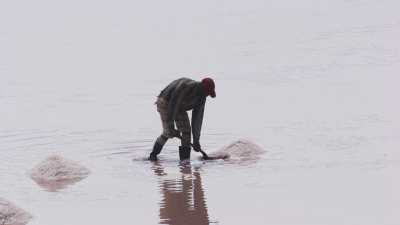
[[242, 150], [12, 215], [56, 172]]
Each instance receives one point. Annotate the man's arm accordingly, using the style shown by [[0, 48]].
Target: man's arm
[[197, 121]]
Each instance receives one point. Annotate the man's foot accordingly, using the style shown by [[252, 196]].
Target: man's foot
[[184, 152], [153, 157], [156, 150]]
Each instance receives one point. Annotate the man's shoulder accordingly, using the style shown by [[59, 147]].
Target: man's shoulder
[[186, 82]]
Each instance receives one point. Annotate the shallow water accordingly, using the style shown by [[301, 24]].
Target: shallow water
[[314, 84]]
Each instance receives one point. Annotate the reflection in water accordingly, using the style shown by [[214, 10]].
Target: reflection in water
[[183, 199], [56, 185]]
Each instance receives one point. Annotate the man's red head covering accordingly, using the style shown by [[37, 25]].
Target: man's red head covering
[[208, 86]]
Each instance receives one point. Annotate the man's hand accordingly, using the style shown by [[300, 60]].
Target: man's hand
[[175, 133], [196, 146], [172, 132]]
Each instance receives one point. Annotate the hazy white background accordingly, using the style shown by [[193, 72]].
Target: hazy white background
[[313, 82]]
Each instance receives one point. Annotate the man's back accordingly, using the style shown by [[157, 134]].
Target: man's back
[[184, 93]]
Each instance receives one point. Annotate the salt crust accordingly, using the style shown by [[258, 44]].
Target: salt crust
[[57, 168], [241, 149], [10, 214], [56, 173]]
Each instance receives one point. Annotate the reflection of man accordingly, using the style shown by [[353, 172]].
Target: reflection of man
[[183, 200]]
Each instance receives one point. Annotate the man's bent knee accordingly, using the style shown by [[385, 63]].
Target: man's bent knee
[[162, 139]]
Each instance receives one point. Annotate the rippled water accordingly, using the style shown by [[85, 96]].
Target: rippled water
[[313, 84]]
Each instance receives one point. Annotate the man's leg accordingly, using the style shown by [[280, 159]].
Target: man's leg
[[183, 125], [157, 147], [163, 138]]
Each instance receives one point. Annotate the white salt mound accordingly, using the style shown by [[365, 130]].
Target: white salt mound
[[12, 215], [55, 172], [243, 150]]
